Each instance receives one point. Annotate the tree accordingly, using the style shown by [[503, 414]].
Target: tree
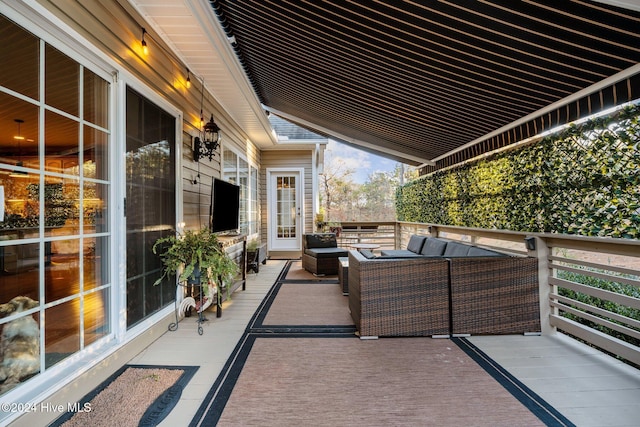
[[344, 200], [336, 184]]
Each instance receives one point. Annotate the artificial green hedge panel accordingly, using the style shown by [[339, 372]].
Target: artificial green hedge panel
[[584, 180]]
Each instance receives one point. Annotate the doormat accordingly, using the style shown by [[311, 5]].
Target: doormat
[[135, 395]]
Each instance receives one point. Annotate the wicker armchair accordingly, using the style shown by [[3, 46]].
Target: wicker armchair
[[320, 253], [399, 297]]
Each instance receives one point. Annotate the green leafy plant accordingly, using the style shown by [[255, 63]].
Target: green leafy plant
[[253, 245], [583, 180], [195, 253]]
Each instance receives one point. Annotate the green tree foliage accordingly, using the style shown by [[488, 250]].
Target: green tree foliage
[[344, 200]]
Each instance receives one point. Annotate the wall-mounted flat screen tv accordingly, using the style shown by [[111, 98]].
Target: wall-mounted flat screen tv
[[225, 206]]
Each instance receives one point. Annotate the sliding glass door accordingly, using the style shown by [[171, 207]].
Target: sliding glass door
[[150, 203]]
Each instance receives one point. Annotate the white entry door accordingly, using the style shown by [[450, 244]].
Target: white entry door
[[285, 195]]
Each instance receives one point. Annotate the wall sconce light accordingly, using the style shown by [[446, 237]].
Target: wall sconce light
[[188, 82], [143, 42], [211, 140], [530, 243]]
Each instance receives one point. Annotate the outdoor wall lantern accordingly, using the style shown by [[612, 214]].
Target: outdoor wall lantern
[[211, 140], [530, 243]]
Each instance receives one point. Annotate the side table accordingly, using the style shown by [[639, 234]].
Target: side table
[[370, 246]]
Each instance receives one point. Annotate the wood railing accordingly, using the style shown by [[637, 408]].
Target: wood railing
[[381, 233], [589, 286]]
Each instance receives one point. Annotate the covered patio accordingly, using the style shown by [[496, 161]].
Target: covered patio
[[434, 86]]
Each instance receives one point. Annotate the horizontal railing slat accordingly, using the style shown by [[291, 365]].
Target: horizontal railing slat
[[608, 267], [597, 320], [597, 292], [597, 310], [597, 274], [599, 339]]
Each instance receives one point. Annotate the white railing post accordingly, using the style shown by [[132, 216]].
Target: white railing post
[[537, 247]]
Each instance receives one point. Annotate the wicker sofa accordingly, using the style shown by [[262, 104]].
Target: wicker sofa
[[320, 253], [398, 297], [446, 288]]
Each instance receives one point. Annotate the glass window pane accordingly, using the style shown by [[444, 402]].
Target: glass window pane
[[61, 144], [96, 316], [29, 357], [135, 299], [62, 81], [230, 166], [21, 205], [95, 262], [61, 207], [243, 181], [19, 51], [19, 271], [62, 269], [96, 154], [96, 99], [19, 130], [253, 216], [95, 207], [61, 331]]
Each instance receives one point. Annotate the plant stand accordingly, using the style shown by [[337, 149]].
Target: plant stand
[[188, 302]]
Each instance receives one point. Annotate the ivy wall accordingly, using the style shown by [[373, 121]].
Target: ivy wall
[[584, 180]]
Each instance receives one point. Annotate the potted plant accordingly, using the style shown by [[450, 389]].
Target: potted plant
[[320, 222], [197, 258]]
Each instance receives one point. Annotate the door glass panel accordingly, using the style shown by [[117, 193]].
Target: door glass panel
[[95, 273], [62, 271], [62, 81], [21, 49], [95, 207], [61, 144], [150, 195], [96, 160], [286, 207], [96, 313], [62, 331], [19, 127], [96, 96], [61, 206]]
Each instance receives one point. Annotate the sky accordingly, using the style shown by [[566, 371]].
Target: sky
[[362, 163]]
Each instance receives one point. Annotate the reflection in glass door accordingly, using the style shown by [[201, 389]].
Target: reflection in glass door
[[151, 206]]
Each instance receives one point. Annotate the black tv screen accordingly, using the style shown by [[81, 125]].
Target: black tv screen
[[225, 206]]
